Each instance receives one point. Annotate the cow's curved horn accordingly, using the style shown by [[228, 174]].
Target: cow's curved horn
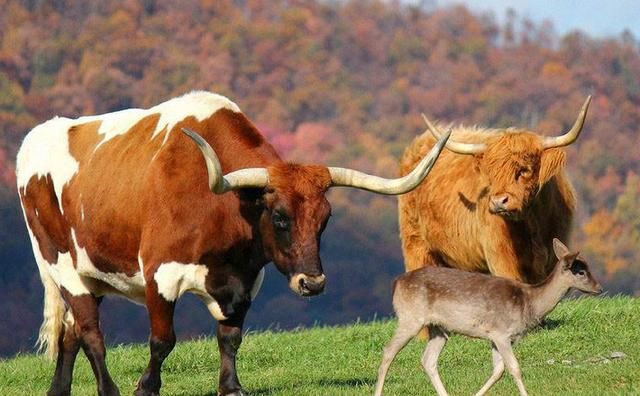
[[353, 178], [456, 147], [574, 132], [219, 184]]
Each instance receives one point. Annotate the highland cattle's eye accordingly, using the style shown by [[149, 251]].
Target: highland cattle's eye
[[280, 221], [524, 172]]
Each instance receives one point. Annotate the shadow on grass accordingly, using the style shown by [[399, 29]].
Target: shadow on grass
[[276, 390]]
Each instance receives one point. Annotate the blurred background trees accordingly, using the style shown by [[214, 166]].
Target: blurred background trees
[[341, 83]]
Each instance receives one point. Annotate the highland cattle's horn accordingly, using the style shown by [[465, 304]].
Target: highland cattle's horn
[[574, 132], [456, 147]]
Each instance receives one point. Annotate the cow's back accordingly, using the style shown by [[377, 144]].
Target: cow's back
[[86, 185]]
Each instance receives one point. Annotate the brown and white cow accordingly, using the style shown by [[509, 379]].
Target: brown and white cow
[[494, 209], [119, 204]]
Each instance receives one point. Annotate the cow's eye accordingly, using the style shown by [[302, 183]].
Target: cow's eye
[[280, 221]]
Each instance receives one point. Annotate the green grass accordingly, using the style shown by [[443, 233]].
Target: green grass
[[344, 360]]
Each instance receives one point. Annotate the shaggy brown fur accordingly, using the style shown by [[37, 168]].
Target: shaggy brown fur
[[447, 219]]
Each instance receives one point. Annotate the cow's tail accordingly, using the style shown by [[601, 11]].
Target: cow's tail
[[53, 317]]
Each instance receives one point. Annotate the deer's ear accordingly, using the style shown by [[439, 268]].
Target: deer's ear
[[560, 249]]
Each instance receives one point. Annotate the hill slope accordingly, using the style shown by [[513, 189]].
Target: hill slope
[[571, 356]]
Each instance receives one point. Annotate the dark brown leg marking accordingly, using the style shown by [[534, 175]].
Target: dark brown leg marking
[[161, 341], [87, 328], [68, 346], [229, 334]]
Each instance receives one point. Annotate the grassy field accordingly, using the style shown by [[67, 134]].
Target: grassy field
[[571, 356]]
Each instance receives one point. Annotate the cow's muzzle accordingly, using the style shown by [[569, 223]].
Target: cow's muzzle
[[307, 285]]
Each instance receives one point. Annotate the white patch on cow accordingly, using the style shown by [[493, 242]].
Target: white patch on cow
[[131, 287], [45, 151], [82, 212], [174, 279], [62, 272], [257, 284], [140, 264], [198, 104]]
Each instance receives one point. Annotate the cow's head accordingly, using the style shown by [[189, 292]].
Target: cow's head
[[295, 209], [517, 163]]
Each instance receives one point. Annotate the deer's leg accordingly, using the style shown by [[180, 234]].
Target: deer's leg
[[404, 333], [504, 347], [498, 369], [437, 340]]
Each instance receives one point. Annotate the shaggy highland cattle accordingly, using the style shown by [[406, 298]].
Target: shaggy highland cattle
[[122, 203], [480, 306], [496, 208]]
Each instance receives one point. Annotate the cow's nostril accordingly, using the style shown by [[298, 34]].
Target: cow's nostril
[[504, 199]]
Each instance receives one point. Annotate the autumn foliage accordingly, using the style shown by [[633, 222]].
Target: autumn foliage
[[341, 83]]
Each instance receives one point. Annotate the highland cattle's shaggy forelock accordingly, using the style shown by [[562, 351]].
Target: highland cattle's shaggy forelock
[[120, 204]]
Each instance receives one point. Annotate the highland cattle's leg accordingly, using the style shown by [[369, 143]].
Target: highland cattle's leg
[[229, 334], [502, 259], [161, 340], [87, 327], [68, 347]]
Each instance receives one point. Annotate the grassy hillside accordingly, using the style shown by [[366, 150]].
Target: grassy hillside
[[571, 356]]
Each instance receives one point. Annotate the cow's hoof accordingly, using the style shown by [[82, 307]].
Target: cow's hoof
[[239, 392], [144, 392]]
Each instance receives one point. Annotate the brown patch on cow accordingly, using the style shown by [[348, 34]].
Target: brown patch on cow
[[306, 180], [105, 188], [44, 218], [243, 130]]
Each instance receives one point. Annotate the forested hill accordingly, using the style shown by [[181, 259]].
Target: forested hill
[[341, 83]]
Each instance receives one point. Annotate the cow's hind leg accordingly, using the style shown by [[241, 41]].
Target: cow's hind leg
[[68, 346], [87, 328], [161, 341]]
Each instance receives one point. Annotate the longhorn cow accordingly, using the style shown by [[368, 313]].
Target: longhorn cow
[[122, 203]]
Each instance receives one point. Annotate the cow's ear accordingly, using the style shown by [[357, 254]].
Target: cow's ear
[[551, 163]]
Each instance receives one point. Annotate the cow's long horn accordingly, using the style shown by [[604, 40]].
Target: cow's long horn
[[574, 132], [219, 184], [353, 178], [456, 147]]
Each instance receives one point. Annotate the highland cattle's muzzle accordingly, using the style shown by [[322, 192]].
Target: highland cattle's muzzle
[[307, 285]]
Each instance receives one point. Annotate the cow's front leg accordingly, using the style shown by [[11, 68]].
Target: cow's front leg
[[161, 341], [229, 336]]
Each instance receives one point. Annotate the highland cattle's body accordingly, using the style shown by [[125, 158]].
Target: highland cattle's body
[[119, 204], [496, 210]]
